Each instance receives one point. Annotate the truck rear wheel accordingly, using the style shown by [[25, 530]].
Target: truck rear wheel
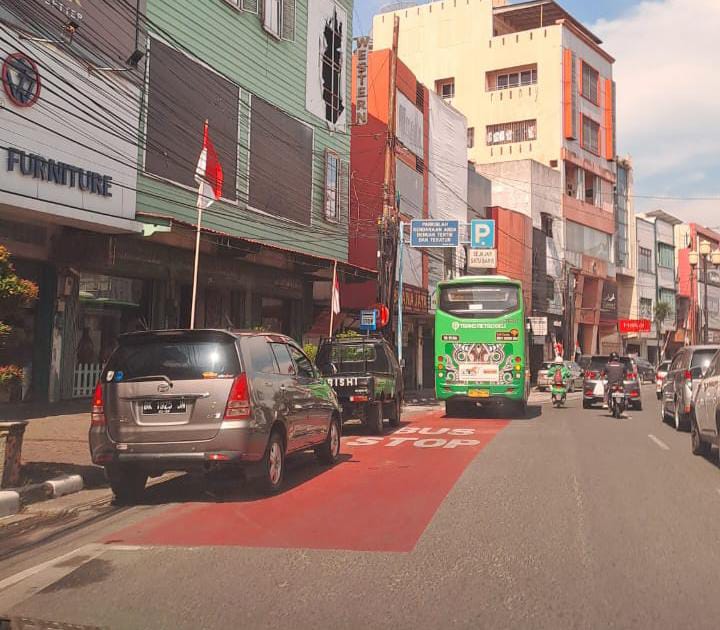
[[394, 413], [374, 417]]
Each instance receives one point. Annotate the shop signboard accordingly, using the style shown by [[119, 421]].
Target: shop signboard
[[415, 300], [361, 98], [608, 306]]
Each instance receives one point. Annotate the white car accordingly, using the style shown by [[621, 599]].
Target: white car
[[660, 375], [704, 429]]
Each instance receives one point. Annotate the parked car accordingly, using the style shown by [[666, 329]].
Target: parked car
[[367, 379], [705, 416], [576, 378], [646, 371], [200, 400], [680, 385], [593, 376], [660, 375]]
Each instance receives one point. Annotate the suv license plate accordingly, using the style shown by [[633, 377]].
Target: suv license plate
[[479, 393], [156, 407]]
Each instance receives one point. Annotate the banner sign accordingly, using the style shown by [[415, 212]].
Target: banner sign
[[634, 325], [434, 233]]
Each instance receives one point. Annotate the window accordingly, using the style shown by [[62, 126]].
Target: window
[[332, 68], [246, 5], [261, 357], [593, 188], [646, 308], [505, 133], [586, 240], [668, 296], [445, 88], [304, 367], [336, 187], [503, 79], [480, 301], [332, 181], [546, 221], [590, 80], [591, 135], [278, 17], [645, 259], [282, 356], [470, 137], [666, 256]]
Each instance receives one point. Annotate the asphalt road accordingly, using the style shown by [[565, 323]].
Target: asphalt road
[[568, 519]]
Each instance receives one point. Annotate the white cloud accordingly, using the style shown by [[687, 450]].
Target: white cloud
[[668, 94]]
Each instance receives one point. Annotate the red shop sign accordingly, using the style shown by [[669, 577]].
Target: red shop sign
[[634, 325]]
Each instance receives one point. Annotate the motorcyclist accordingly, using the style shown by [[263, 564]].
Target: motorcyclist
[[559, 374], [615, 373]]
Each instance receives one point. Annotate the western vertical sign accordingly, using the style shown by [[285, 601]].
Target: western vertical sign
[[361, 97]]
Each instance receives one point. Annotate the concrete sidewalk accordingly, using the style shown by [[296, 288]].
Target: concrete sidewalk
[[55, 442]]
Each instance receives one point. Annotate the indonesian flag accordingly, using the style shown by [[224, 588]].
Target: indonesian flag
[[336, 296], [209, 173]]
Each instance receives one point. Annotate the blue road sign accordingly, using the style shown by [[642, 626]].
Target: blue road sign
[[482, 233], [368, 320], [434, 233]]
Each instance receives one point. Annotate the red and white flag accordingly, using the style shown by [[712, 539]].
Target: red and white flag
[[209, 173], [336, 296]]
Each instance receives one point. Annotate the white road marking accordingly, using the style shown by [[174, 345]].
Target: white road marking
[[660, 443], [25, 584]]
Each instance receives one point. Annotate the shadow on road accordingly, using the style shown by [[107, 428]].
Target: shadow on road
[[497, 413]]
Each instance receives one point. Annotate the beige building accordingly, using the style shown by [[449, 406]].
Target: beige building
[[535, 84]]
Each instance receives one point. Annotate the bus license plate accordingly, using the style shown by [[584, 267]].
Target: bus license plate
[[479, 393]]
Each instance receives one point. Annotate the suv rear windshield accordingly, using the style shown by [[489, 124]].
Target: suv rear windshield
[[702, 358], [599, 362], [176, 357], [480, 301], [352, 357]]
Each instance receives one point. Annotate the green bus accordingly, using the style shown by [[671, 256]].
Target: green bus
[[480, 344]]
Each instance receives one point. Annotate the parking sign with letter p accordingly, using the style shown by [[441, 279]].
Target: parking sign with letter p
[[482, 233]]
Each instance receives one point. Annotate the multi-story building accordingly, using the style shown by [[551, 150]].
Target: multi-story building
[[696, 313], [625, 239], [536, 84], [273, 83], [429, 180], [666, 277]]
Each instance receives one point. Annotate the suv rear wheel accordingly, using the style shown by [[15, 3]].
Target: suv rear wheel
[[698, 446], [680, 418], [127, 484], [273, 470], [329, 450]]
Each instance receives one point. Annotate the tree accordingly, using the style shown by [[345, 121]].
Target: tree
[[15, 293], [663, 310]]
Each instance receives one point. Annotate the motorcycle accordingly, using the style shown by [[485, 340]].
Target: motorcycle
[[618, 400], [558, 394]]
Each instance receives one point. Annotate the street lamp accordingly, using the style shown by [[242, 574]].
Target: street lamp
[[704, 253]]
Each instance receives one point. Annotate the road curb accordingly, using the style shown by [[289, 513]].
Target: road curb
[[64, 485], [9, 502]]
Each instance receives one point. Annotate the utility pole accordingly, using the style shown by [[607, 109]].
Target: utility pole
[[388, 233]]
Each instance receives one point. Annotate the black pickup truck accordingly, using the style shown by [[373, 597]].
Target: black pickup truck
[[366, 377]]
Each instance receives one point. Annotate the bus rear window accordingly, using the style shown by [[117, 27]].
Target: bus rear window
[[479, 301]]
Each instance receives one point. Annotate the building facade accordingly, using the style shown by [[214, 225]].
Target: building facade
[[116, 250], [535, 84], [430, 180]]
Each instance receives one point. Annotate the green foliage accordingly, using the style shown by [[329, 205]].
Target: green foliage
[[311, 350], [663, 310], [348, 334], [15, 293]]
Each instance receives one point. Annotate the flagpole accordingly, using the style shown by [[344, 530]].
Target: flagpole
[[197, 258], [332, 300]]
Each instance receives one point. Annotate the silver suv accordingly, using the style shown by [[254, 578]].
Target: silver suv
[[198, 400], [680, 384]]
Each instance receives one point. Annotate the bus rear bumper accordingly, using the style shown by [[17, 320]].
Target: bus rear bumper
[[494, 398]]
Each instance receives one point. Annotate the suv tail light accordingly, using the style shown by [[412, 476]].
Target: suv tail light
[[97, 415], [590, 374], [688, 375], [238, 403]]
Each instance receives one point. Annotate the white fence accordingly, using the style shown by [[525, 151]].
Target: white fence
[[86, 377]]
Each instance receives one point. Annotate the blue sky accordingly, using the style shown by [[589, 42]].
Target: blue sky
[[667, 60]]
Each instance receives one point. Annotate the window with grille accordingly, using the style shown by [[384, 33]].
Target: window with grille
[[590, 80], [445, 88], [666, 256], [591, 135], [547, 224], [332, 60], [646, 307], [505, 133], [470, 137], [645, 259]]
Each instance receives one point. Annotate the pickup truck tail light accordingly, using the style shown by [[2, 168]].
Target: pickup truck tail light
[[97, 415]]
